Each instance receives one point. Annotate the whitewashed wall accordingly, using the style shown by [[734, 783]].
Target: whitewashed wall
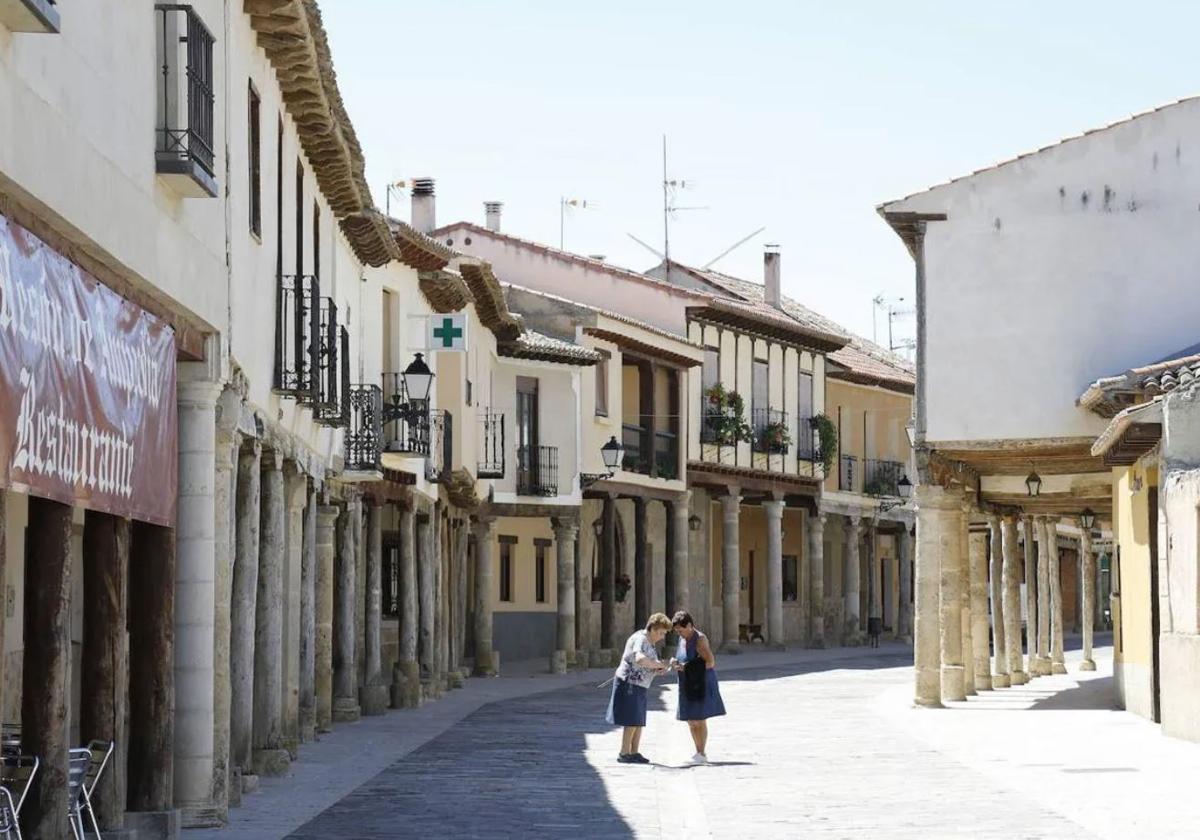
[[1076, 262]]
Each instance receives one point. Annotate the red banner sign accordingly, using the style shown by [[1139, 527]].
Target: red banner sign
[[87, 387]]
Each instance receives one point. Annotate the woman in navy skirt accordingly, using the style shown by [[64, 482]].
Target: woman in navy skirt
[[696, 706], [639, 666]]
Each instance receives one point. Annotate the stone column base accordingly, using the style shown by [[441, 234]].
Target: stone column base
[[1087, 665], [206, 815], [602, 658], [952, 682], [816, 644], [776, 647], [308, 725], [1058, 668], [1043, 667], [346, 710], [406, 685], [151, 825], [983, 682], [731, 648], [271, 762], [1000, 681], [922, 703], [1018, 678], [291, 743], [249, 783], [558, 662], [374, 699], [488, 669], [582, 662], [235, 787], [454, 679]]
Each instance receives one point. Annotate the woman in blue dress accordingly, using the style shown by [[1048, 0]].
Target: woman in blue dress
[[696, 706], [639, 666]]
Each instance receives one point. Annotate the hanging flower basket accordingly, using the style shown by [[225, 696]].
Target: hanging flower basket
[[724, 417], [775, 437]]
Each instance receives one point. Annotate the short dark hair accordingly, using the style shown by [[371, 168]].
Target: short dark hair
[[683, 618]]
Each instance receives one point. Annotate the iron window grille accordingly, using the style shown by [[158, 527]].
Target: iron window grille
[[492, 453], [185, 131], [769, 429], [344, 340], [364, 435], [636, 444], [440, 460], [327, 409], [537, 470], [405, 432], [298, 322], [882, 478], [847, 472]]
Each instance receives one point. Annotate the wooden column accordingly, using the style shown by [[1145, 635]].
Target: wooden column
[[641, 564], [104, 664], [151, 654], [608, 572], [46, 669]]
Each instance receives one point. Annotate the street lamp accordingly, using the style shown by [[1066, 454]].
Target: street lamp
[[611, 453], [418, 379], [903, 494], [1033, 482], [905, 487], [1088, 519]]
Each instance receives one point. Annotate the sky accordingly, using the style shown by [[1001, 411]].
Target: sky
[[800, 117]]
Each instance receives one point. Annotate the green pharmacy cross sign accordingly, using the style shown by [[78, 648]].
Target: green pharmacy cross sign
[[448, 332]]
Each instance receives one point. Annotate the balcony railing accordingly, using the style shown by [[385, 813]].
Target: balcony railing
[[184, 136], [491, 445], [327, 409], [666, 455], [769, 430], [441, 445], [637, 449], [344, 341], [364, 435], [882, 478], [297, 320], [847, 472], [808, 442], [537, 470], [647, 452], [404, 435]]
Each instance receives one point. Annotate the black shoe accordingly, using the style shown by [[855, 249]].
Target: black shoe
[[626, 759], [638, 758]]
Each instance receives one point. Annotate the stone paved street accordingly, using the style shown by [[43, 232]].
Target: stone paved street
[[816, 745]]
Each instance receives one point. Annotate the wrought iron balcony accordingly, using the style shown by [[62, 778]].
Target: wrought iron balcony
[[666, 455], [297, 322], [537, 470], [404, 431], [847, 472], [441, 445], [183, 147], [882, 478], [635, 441], [364, 434], [344, 339], [491, 445], [769, 431], [327, 409], [808, 444]]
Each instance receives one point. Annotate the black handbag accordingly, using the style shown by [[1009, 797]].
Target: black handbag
[[695, 679]]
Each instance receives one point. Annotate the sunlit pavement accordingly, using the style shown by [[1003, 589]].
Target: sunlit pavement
[[821, 744]]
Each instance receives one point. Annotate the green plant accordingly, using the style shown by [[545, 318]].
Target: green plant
[[725, 416], [776, 437], [623, 584], [828, 437], [878, 486]]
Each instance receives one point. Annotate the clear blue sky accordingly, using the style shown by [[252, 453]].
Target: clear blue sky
[[797, 116]]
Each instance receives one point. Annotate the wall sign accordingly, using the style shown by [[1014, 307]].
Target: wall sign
[[448, 332], [87, 388]]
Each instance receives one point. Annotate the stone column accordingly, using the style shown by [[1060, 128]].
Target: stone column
[[968, 612], [374, 697], [564, 547], [3, 586], [953, 582], [226, 784], [104, 662], [1012, 603], [151, 678], [678, 514], [1057, 661], [484, 536], [904, 572], [270, 756], [1043, 598], [295, 485], [195, 592], [641, 563], [608, 572], [345, 668], [440, 634], [308, 620], [358, 523], [1089, 596], [462, 574], [936, 507], [1000, 678], [46, 666], [816, 579], [407, 677], [1030, 598], [425, 596], [243, 608], [852, 561], [327, 516], [773, 509], [978, 583], [731, 571]]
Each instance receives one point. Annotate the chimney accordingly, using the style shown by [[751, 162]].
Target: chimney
[[491, 212], [771, 276], [424, 215]]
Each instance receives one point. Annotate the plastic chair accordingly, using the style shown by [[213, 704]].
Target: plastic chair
[[16, 775], [8, 815], [100, 752], [78, 761]]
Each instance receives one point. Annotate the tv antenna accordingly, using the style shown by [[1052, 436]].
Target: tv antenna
[[733, 248], [565, 204], [894, 308], [649, 248], [670, 189]]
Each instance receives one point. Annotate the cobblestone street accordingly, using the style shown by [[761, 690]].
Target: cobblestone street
[[819, 744]]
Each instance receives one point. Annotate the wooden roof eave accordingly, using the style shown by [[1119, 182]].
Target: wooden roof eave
[[798, 337]]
